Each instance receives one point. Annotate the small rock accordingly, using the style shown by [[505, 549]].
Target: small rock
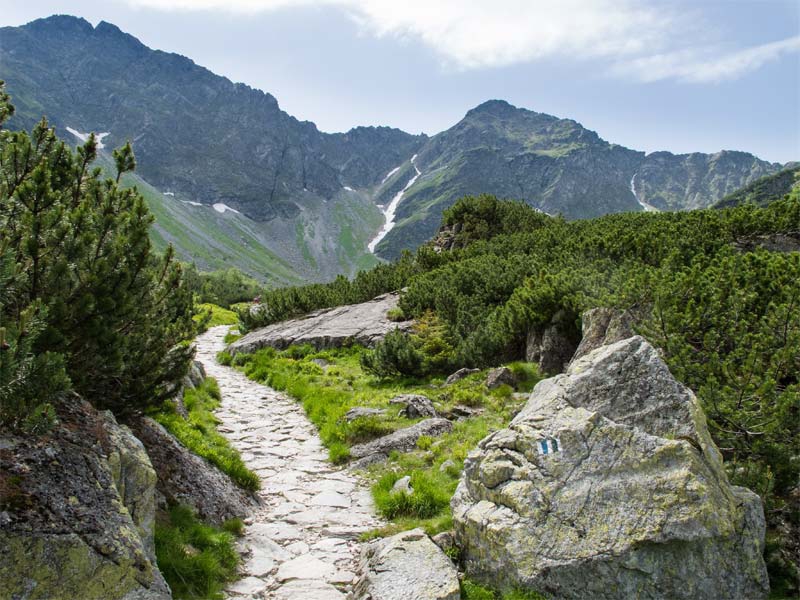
[[446, 465], [358, 412], [446, 540], [500, 376], [368, 461], [415, 406], [403, 486], [459, 375], [320, 362], [460, 412]]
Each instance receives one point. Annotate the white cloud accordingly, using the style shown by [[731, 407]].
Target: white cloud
[[707, 64], [640, 40]]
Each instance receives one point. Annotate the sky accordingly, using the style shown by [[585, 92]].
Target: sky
[[677, 75]]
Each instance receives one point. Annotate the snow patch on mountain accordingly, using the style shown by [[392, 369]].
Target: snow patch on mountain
[[84, 137]]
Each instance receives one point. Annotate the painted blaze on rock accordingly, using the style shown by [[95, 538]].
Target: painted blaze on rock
[[630, 500]]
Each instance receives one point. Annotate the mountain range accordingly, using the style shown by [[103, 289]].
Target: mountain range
[[236, 181]]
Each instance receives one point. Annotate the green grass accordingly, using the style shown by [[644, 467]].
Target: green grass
[[473, 591], [199, 433], [328, 393], [218, 315], [196, 559]]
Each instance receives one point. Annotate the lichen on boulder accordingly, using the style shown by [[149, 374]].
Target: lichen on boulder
[[405, 566], [68, 530], [608, 485]]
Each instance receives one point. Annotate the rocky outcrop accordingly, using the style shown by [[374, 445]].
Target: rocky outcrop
[[185, 478], [603, 326], [364, 323], [500, 376], [404, 566], [415, 406], [134, 477], [553, 345], [77, 512], [608, 485], [402, 440]]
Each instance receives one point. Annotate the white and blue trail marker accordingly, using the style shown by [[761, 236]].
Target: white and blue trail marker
[[549, 446]]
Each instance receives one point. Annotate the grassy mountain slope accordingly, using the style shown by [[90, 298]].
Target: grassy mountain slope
[[764, 190]]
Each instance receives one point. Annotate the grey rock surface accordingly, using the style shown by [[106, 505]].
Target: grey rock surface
[[608, 485], [403, 486], [185, 478], [77, 512], [500, 376], [364, 323], [603, 326], [459, 375], [402, 440], [406, 566], [360, 412], [134, 477], [415, 406], [553, 345]]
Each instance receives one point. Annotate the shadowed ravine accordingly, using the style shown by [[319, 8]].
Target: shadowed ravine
[[301, 543]]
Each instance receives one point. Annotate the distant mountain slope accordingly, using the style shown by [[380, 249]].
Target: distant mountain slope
[[764, 190], [557, 166], [313, 199], [205, 139]]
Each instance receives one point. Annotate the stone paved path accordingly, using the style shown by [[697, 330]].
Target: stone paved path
[[301, 544]]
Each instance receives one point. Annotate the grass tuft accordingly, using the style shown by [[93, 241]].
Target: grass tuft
[[196, 559], [199, 433]]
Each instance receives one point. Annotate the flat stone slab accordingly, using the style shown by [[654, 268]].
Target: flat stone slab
[[365, 323], [302, 537]]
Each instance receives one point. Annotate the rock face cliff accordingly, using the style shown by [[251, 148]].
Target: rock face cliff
[[608, 485], [77, 512]]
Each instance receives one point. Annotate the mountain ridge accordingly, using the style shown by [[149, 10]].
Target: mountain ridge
[[205, 139]]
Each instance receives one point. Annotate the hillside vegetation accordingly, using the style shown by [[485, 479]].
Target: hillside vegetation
[[764, 190], [727, 320]]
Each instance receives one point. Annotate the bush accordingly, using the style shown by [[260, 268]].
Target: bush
[[79, 275], [425, 351]]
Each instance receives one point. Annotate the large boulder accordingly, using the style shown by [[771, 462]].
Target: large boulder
[[366, 323], [185, 478], [405, 566], [77, 512], [608, 485]]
